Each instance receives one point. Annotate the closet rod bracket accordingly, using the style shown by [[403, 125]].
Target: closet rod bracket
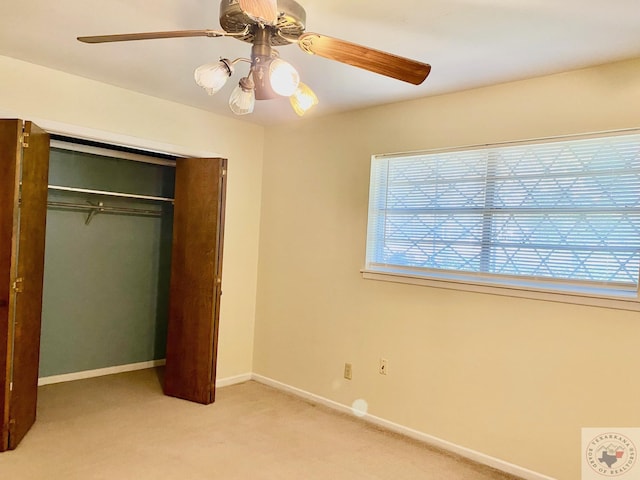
[[94, 211]]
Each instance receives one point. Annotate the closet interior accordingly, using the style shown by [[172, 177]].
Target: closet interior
[[107, 258]]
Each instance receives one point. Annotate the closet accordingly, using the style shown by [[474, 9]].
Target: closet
[[108, 244], [181, 217]]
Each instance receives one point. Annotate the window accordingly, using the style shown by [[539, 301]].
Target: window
[[559, 215]]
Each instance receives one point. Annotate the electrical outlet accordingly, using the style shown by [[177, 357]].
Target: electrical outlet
[[347, 371], [383, 366]]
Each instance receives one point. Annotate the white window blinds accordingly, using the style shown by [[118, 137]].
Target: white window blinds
[[563, 211]]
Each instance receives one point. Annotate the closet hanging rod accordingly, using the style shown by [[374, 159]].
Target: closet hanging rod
[[104, 208], [111, 194]]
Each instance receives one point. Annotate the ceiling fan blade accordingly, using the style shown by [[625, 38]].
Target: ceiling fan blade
[[125, 37], [400, 68], [266, 10]]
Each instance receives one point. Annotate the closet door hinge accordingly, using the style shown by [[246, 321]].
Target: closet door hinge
[[223, 172], [18, 285], [24, 139]]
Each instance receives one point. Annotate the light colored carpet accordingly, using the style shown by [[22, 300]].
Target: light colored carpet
[[122, 427]]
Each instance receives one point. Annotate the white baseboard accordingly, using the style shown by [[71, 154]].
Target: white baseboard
[[415, 434], [70, 377], [227, 382]]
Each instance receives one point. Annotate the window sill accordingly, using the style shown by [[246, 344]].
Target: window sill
[[593, 297]]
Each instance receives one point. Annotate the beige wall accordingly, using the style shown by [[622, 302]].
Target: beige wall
[[512, 378], [79, 106]]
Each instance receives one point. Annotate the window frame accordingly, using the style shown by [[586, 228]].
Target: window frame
[[555, 290]]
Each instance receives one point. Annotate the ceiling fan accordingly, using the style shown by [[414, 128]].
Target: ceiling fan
[[273, 23]]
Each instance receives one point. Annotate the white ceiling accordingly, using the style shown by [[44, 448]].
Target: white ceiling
[[469, 43]]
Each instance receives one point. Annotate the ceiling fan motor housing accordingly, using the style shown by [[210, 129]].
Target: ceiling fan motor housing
[[291, 23]]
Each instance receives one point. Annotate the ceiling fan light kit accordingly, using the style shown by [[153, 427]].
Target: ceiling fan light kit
[[283, 77], [213, 76], [271, 23], [243, 98], [303, 99]]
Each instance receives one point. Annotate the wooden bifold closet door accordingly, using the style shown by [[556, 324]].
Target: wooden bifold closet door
[[196, 277], [24, 167]]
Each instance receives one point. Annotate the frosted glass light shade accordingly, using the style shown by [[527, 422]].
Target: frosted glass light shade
[[243, 98], [303, 99], [283, 77], [213, 76]]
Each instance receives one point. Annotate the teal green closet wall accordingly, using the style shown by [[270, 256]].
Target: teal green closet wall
[[105, 284]]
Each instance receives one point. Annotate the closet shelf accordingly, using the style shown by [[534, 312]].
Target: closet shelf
[[95, 208], [110, 194]]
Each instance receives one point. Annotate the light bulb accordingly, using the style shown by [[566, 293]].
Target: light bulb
[[213, 76], [243, 97], [303, 99], [283, 77]]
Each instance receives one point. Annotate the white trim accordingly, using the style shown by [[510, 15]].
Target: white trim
[[120, 140], [100, 372], [60, 188], [112, 138], [110, 152], [70, 377], [229, 381], [529, 141], [473, 455], [591, 300]]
